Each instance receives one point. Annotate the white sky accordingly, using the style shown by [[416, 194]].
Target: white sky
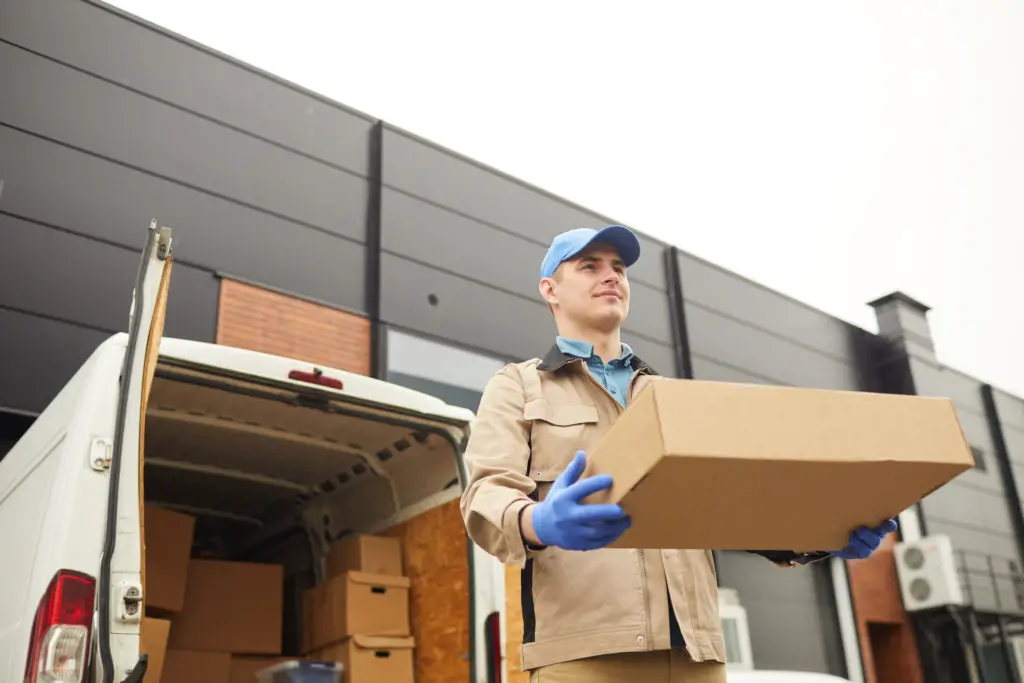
[[831, 150]]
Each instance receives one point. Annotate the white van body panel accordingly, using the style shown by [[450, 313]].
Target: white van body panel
[[52, 501], [276, 369]]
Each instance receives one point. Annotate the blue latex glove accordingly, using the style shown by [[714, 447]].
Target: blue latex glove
[[561, 520], [864, 541]]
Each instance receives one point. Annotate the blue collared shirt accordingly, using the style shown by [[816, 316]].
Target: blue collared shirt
[[613, 376]]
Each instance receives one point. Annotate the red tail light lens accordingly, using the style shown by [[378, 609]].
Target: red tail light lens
[[59, 649], [492, 632]]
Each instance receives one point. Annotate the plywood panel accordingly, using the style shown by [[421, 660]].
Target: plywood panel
[[435, 553], [513, 626]]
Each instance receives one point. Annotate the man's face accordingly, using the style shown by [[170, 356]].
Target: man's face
[[590, 289]]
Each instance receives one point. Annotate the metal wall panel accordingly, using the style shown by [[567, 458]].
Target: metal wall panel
[[1011, 411], [974, 509], [763, 354], [731, 295], [447, 179], [38, 357], [477, 315], [59, 103], [791, 613], [63, 187], [80, 280], [940, 380], [456, 244], [103, 41]]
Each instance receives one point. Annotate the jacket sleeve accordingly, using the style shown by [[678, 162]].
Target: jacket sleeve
[[497, 460]]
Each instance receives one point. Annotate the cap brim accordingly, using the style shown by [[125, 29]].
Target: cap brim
[[622, 239]]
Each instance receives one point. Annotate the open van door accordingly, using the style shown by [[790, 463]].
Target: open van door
[[121, 581]]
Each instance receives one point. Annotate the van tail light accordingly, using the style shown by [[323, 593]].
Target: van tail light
[[492, 635], [62, 630]]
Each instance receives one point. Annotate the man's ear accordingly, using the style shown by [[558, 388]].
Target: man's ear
[[547, 290]]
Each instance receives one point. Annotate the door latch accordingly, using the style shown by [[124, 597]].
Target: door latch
[[131, 601], [100, 453]]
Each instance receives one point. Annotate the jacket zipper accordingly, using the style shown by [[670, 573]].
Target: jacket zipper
[[640, 553]]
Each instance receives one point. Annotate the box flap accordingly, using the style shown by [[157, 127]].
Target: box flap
[[383, 643], [386, 580]]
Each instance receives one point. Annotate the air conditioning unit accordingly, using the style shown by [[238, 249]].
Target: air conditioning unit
[[927, 573], [738, 655]]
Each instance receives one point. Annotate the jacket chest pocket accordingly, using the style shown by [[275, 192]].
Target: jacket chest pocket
[[556, 433]]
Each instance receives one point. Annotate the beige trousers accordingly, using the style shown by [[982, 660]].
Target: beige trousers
[[665, 666]]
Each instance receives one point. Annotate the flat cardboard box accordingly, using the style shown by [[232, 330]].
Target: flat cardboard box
[[727, 466], [357, 603], [369, 659], [244, 667], [234, 607], [153, 643], [189, 666], [168, 542], [365, 553]]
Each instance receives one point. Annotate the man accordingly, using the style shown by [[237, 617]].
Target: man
[[604, 615]]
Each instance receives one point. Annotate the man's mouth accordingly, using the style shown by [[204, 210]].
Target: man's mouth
[[616, 295]]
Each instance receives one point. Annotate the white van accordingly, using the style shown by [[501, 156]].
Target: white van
[[275, 459]]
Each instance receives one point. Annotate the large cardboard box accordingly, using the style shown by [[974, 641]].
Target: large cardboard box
[[153, 643], [188, 666], [234, 607], [369, 659], [717, 465], [365, 553], [357, 603], [168, 541]]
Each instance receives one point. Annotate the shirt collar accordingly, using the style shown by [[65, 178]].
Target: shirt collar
[[585, 350]]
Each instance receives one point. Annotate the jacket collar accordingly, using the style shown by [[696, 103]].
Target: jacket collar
[[556, 359]]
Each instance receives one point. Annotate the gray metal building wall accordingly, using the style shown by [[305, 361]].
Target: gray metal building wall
[[471, 239], [975, 509], [106, 123]]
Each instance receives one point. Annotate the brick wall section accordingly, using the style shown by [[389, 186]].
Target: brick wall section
[[875, 590], [258, 319]]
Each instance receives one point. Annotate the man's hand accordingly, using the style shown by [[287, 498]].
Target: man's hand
[[864, 541], [561, 520]]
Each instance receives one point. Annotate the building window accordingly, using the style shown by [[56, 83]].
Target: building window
[[454, 375]]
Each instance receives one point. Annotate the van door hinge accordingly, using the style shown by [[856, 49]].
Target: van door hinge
[[130, 600], [100, 453]]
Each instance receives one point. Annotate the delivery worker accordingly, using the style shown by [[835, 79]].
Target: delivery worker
[[605, 615]]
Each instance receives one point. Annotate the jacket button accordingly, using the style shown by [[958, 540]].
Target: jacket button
[[639, 640]]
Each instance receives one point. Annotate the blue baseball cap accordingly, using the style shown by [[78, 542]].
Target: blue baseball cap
[[569, 244]]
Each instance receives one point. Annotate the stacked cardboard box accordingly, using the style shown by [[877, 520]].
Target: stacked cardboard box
[[207, 621], [167, 540], [359, 615]]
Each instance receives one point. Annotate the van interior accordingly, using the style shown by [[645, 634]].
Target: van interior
[[274, 474]]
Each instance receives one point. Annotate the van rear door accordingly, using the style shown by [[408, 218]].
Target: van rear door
[[121, 580]]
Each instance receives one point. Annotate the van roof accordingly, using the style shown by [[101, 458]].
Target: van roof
[[276, 369]]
